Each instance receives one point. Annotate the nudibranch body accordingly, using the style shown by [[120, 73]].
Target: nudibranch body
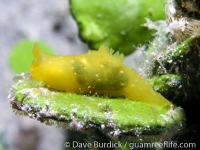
[[100, 72]]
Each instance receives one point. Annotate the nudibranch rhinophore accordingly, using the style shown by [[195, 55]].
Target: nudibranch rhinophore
[[100, 72]]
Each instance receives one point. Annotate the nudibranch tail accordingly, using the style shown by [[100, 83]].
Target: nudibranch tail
[[36, 51], [100, 72]]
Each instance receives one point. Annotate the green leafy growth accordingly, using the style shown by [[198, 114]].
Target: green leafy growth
[[175, 73], [176, 56], [113, 116], [116, 24], [21, 55]]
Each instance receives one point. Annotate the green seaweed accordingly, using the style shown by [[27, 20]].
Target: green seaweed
[[176, 72], [116, 24], [21, 57], [113, 116]]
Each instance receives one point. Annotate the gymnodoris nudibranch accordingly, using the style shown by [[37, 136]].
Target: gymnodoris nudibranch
[[100, 72]]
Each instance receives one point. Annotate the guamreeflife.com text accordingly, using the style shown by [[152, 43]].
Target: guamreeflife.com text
[[112, 144]]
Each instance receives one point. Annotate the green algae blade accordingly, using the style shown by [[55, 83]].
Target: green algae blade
[[116, 24], [20, 57], [113, 116]]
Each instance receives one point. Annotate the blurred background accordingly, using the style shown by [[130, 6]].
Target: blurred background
[[48, 21]]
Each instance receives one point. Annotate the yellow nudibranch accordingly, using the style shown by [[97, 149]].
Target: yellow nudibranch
[[100, 72]]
